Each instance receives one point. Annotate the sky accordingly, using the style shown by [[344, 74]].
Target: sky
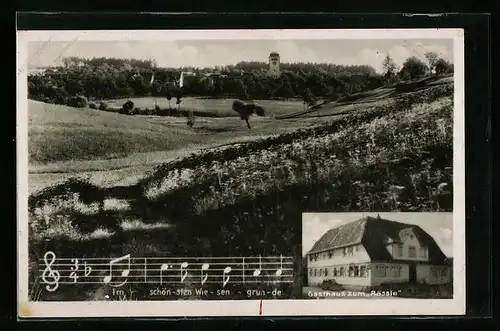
[[438, 225], [207, 53]]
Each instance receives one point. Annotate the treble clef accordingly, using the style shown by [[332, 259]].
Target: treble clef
[[49, 276]]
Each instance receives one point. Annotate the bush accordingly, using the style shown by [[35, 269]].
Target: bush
[[103, 106], [127, 108], [443, 67], [77, 101], [60, 101], [413, 68], [92, 105]]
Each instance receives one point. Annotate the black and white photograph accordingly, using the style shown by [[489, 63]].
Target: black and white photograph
[[373, 255], [177, 167]]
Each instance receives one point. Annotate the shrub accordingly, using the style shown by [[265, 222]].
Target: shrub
[[92, 105], [413, 68], [127, 108], [103, 106], [77, 101], [60, 101]]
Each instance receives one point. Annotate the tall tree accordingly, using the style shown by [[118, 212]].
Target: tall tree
[[432, 58], [389, 66]]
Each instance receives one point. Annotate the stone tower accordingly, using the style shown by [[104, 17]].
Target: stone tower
[[274, 65]]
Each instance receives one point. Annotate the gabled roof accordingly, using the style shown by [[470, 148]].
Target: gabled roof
[[374, 233], [344, 235]]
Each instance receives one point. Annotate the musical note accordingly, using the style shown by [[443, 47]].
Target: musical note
[[257, 271], [184, 272], [225, 278], [125, 273], [53, 274], [204, 276], [162, 269], [74, 269], [280, 270]]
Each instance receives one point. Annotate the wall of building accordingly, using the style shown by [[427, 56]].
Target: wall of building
[[434, 275], [389, 273], [323, 266]]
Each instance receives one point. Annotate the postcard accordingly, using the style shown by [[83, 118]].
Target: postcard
[[173, 173]]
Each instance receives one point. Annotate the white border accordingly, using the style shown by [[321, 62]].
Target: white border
[[455, 306]]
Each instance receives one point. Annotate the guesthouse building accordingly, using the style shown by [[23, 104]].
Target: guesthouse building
[[372, 251]]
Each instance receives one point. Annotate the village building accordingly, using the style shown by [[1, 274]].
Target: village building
[[274, 65], [372, 251]]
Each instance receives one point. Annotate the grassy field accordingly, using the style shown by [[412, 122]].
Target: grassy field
[[113, 148], [247, 199], [212, 107]]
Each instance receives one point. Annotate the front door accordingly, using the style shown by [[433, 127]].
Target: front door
[[412, 274]]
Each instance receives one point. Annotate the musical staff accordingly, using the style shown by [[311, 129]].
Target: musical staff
[[126, 269]]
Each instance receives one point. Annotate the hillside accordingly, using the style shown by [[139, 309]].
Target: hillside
[[379, 96], [118, 149], [61, 133], [112, 147]]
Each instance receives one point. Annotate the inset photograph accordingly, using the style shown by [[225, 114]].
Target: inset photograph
[[377, 255]]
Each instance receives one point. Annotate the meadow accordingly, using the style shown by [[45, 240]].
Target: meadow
[[110, 147], [209, 107], [247, 197]]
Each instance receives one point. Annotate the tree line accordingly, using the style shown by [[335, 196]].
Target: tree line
[[110, 78]]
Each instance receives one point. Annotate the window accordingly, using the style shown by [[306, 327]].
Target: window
[[380, 270], [363, 271], [356, 271], [341, 272], [321, 272], [351, 271], [350, 251], [310, 272], [310, 258], [434, 272], [330, 254], [423, 252], [315, 273], [396, 271], [345, 251], [398, 250], [326, 272], [444, 272], [334, 272], [412, 252]]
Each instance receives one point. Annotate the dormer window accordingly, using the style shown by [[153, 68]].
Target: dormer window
[[406, 234], [423, 252]]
